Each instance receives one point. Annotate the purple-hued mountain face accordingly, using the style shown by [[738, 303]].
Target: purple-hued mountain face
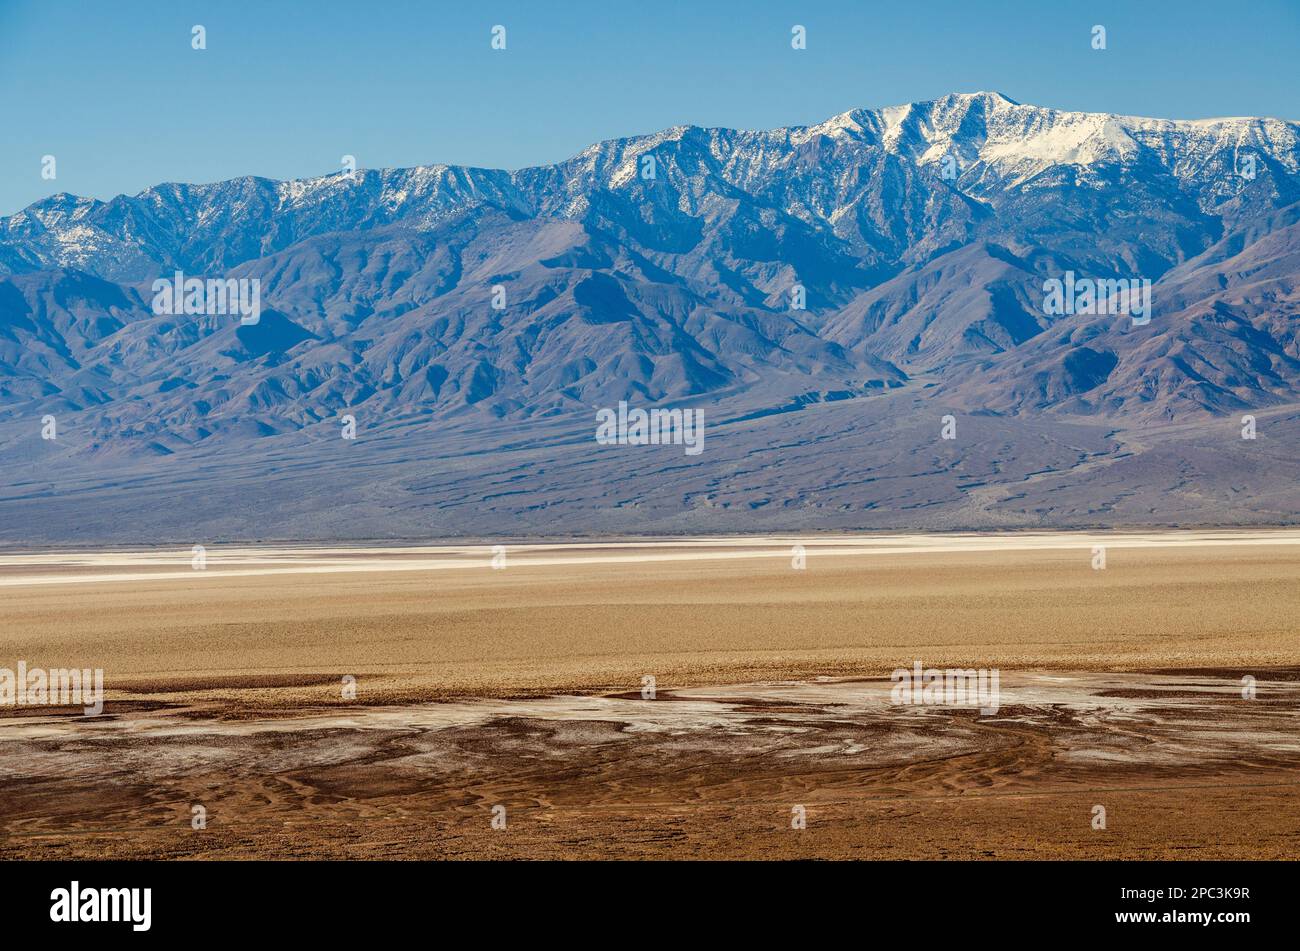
[[825, 294]]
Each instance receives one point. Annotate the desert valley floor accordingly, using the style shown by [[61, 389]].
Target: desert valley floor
[[380, 702]]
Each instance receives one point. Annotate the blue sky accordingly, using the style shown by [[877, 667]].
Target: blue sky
[[115, 92]]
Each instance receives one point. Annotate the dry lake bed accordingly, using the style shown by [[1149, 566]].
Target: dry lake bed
[[691, 698]]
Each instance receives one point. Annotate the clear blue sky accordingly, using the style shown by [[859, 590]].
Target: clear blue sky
[[115, 92]]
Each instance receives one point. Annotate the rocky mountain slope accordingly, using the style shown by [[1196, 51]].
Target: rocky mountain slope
[[666, 270]]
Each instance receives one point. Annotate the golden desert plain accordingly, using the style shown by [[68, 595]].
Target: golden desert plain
[[678, 698]]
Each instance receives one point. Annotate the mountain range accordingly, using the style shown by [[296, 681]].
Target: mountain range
[[825, 294]]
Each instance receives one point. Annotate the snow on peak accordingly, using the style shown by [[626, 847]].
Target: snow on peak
[[1075, 138]]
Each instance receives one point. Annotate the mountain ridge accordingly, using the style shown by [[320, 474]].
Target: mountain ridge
[[665, 269], [511, 188]]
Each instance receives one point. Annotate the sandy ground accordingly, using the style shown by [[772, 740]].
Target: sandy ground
[[226, 688]]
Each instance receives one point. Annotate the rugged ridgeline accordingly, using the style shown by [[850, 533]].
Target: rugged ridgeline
[[921, 235]]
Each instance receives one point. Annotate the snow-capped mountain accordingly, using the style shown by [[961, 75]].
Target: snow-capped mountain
[[665, 268], [832, 176]]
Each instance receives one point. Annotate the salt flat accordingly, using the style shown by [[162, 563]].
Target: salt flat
[[1183, 763], [355, 701], [244, 561], [281, 627]]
